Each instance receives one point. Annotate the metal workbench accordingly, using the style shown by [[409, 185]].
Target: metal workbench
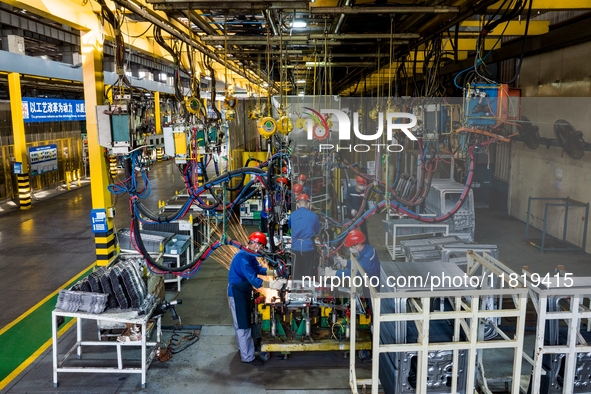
[[130, 317]]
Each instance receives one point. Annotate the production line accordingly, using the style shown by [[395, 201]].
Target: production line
[[280, 188], [429, 220]]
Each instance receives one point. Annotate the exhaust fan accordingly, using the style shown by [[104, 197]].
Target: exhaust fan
[[570, 139]]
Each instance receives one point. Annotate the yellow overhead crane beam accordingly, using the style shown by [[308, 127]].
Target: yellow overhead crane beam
[[465, 45], [511, 28], [549, 5]]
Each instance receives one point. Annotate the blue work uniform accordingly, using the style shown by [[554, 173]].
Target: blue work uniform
[[304, 225], [241, 279], [368, 260], [307, 190]]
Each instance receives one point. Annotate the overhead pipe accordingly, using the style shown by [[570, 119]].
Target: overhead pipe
[[199, 22], [154, 18], [271, 22], [306, 37], [342, 17], [383, 10]]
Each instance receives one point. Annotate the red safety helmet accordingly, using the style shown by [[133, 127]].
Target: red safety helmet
[[354, 237], [361, 181], [297, 189], [282, 180], [302, 178], [303, 197], [259, 237]]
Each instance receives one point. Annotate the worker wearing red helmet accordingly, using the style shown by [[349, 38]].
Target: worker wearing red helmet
[[302, 179], [283, 181], [354, 200], [243, 276], [368, 259], [304, 225], [297, 190]]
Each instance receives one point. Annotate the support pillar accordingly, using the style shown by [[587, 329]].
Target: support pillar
[[20, 141], [157, 118], [92, 75]]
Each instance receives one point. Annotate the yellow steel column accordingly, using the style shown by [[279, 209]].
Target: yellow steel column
[[20, 141], [157, 118], [92, 75], [158, 122]]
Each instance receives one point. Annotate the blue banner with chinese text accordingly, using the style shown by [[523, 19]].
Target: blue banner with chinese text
[[52, 110]]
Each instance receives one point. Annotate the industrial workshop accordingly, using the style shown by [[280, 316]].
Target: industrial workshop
[[290, 197]]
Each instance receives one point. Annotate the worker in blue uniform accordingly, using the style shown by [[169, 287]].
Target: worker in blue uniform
[[304, 225], [368, 259], [243, 276], [354, 201], [365, 254]]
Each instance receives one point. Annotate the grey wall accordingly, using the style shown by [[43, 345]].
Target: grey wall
[[555, 85]]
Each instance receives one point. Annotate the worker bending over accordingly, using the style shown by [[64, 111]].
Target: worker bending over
[[243, 276]]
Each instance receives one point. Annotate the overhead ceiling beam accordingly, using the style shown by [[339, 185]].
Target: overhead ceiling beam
[[168, 5], [549, 5], [245, 52], [511, 28], [383, 10], [379, 36], [572, 34]]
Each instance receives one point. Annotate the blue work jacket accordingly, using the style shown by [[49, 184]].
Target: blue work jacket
[[368, 260], [245, 268], [304, 225]]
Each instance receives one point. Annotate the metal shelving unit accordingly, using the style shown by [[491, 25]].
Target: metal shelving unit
[[467, 313]]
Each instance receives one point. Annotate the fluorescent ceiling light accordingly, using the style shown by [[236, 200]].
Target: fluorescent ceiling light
[[301, 81], [301, 94], [299, 24]]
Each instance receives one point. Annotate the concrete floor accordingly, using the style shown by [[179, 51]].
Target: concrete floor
[[43, 248]]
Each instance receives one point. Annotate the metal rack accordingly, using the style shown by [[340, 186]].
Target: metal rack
[[468, 315], [567, 298], [121, 317], [408, 228], [563, 244]]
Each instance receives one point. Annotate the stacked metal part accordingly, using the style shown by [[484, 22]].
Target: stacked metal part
[[120, 286], [74, 301]]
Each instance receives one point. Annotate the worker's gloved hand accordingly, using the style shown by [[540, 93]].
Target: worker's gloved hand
[[329, 271], [353, 212], [340, 262], [277, 284]]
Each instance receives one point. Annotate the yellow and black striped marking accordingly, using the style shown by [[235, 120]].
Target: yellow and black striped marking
[[24, 191], [105, 246]]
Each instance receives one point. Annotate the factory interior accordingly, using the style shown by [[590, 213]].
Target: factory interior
[[289, 197]]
